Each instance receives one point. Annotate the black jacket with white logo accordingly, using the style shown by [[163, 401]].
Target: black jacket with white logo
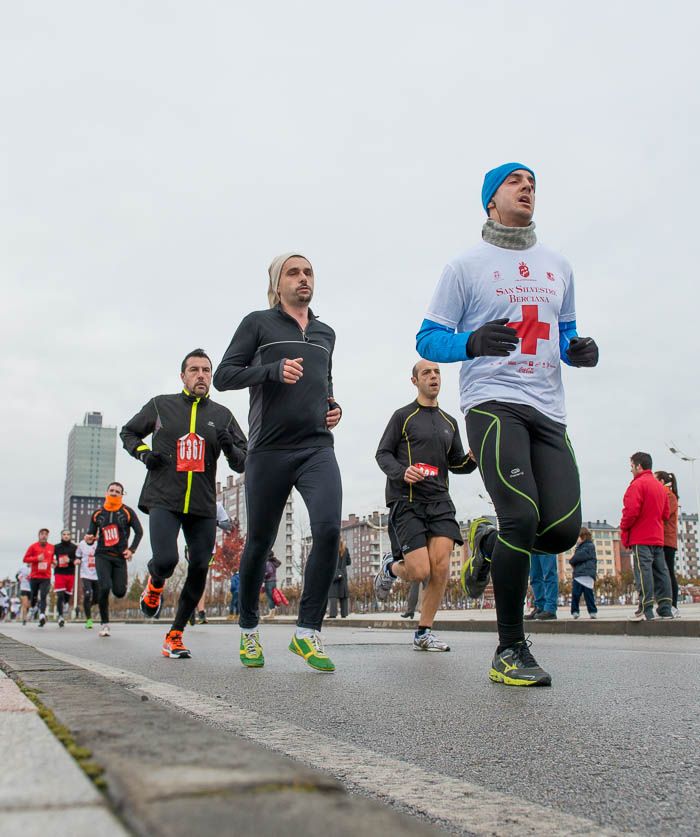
[[282, 416], [171, 419]]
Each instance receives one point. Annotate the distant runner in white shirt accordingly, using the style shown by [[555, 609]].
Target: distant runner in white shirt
[[25, 590], [506, 310], [88, 575]]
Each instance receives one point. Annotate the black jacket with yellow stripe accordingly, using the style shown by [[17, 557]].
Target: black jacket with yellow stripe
[[421, 434], [170, 419]]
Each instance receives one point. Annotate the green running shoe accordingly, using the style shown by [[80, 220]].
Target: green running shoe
[[477, 568], [312, 651], [251, 650], [517, 667], [88, 623]]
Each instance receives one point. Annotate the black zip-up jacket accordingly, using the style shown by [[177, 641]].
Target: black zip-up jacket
[[282, 416], [421, 434], [62, 549], [170, 418], [115, 524]]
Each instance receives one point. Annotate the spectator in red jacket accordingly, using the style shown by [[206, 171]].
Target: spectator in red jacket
[[644, 510], [668, 479], [40, 556]]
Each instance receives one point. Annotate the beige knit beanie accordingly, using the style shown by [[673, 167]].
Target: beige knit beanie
[[274, 271]]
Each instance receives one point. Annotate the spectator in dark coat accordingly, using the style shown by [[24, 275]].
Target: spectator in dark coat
[[339, 591], [584, 563], [270, 579]]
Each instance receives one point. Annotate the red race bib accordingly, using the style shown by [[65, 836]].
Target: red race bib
[[62, 560], [110, 534], [91, 561], [190, 453], [42, 565]]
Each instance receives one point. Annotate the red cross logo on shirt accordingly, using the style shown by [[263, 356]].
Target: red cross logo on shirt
[[530, 329]]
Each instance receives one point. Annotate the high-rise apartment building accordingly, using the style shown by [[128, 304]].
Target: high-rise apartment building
[[687, 556], [92, 452], [232, 495]]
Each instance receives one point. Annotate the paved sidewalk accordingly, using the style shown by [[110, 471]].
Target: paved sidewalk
[[42, 789]]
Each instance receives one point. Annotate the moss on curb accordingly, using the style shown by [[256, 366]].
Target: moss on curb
[[82, 755]]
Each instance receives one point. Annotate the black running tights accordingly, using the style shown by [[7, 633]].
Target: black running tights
[[200, 537], [269, 477], [112, 577], [529, 470]]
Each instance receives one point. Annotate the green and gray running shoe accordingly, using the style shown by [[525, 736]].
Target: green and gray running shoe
[[251, 650], [477, 568], [311, 650], [517, 667]]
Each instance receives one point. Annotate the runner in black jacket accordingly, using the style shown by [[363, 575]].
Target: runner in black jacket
[[420, 445], [63, 572], [284, 355], [112, 523], [188, 433]]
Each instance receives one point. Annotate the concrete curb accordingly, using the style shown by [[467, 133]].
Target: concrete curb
[[44, 790], [170, 774], [582, 627]]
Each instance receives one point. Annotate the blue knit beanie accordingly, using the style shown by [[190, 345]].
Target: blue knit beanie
[[494, 178]]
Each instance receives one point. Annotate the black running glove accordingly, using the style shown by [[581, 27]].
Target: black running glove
[[494, 339], [152, 460], [583, 351]]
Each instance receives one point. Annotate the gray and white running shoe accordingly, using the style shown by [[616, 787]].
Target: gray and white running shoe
[[429, 642], [383, 582]]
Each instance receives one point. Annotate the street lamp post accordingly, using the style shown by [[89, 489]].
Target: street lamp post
[[692, 459]]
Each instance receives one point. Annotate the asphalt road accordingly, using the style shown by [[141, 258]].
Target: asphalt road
[[615, 740]]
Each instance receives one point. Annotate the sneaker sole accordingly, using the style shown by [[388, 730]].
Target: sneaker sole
[[176, 655], [310, 664], [497, 677], [252, 663], [145, 611], [433, 650]]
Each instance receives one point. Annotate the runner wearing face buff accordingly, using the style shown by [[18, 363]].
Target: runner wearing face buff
[[112, 524]]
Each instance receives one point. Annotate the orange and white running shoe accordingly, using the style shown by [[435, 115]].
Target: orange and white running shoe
[[151, 600], [174, 647]]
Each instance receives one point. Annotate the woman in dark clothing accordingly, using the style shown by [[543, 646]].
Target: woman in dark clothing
[[671, 532], [270, 580], [584, 563], [339, 588]]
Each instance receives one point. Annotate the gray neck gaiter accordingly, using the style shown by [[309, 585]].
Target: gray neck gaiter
[[510, 238]]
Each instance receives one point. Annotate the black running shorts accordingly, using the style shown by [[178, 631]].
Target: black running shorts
[[411, 524]]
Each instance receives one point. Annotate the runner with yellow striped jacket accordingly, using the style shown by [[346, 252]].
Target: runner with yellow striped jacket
[[189, 432]]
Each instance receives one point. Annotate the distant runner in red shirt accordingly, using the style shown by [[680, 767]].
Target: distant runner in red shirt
[[40, 557]]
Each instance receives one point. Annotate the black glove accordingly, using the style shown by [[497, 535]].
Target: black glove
[[494, 339], [152, 460], [583, 351]]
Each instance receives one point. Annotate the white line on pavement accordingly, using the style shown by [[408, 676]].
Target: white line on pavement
[[460, 805]]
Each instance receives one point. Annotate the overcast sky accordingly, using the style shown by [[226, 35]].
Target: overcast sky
[[156, 156]]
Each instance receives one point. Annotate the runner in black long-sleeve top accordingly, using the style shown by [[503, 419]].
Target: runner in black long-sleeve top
[[284, 355], [420, 445]]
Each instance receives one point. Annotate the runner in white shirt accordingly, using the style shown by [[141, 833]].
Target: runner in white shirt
[[25, 590], [88, 575], [506, 309]]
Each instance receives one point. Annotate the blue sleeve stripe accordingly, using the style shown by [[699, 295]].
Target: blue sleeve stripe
[[441, 344], [566, 332]]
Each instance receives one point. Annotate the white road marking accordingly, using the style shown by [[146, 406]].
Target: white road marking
[[460, 805]]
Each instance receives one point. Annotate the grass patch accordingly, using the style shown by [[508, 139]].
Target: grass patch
[[82, 755]]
